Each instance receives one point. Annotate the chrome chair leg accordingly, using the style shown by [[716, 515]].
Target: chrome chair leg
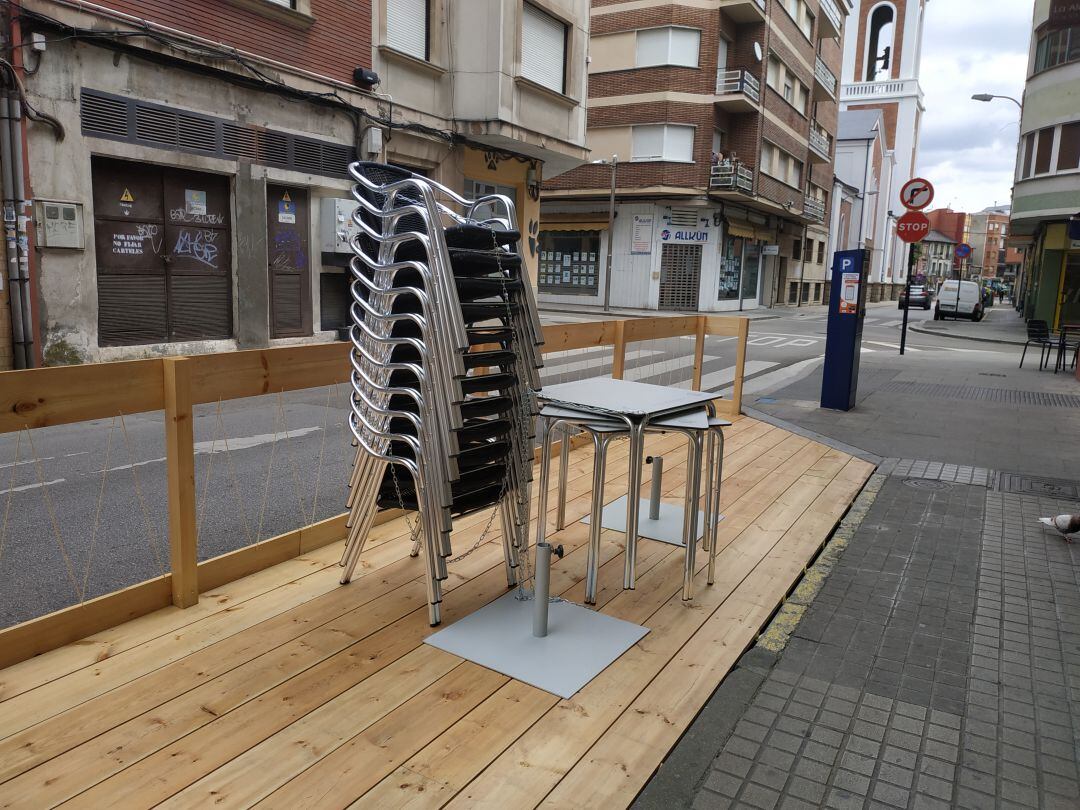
[[713, 529], [564, 466], [592, 564], [633, 494], [693, 495]]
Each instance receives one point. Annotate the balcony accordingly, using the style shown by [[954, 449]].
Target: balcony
[[733, 176], [820, 144], [813, 209], [831, 20], [862, 91], [737, 90], [744, 11], [824, 81]]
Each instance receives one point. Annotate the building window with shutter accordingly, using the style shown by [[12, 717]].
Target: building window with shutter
[[543, 49], [569, 262], [669, 45], [407, 27], [673, 143]]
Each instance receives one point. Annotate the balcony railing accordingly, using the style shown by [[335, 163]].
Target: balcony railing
[[738, 82], [820, 142], [831, 21], [731, 175], [813, 208], [824, 79], [899, 87]]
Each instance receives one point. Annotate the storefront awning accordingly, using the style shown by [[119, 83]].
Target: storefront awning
[[740, 227], [765, 235], [582, 225]]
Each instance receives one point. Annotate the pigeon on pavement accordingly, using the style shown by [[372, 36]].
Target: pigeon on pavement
[[1065, 525]]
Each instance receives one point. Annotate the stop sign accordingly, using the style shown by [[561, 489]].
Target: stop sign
[[913, 226]]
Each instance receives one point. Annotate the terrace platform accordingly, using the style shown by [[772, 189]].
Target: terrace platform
[[284, 689]]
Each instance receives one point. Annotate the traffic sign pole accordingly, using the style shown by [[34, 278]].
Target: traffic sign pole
[[912, 228], [907, 296]]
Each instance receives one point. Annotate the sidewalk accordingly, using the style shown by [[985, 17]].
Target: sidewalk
[[1002, 324], [937, 666], [551, 312]]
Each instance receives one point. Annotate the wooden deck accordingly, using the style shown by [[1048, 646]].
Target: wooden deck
[[284, 689]]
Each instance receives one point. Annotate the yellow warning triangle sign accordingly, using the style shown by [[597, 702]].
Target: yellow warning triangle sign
[[285, 197], [126, 196]]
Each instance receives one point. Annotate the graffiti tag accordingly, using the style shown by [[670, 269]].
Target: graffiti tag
[[199, 245], [189, 218]]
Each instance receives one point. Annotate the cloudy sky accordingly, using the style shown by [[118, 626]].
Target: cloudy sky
[[968, 148]]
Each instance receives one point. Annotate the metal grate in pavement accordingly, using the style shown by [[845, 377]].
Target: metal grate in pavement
[[975, 393], [1030, 485]]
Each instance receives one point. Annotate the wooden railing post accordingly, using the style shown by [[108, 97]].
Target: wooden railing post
[[618, 362], [180, 460], [740, 364], [699, 352]]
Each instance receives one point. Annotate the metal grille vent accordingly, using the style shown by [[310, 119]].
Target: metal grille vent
[[1004, 396], [104, 117], [118, 118], [684, 217], [1030, 485]]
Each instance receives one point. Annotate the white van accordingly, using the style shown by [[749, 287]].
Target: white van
[[968, 304]]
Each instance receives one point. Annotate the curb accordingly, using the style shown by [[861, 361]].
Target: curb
[[798, 430], [937, 333], [680, 775]]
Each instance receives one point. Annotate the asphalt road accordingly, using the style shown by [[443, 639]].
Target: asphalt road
[[83, 510]]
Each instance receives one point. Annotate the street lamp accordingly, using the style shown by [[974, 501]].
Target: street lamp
[[614, 164], [991, 97]]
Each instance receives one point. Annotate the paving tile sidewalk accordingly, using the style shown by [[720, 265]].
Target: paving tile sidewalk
[[937, 666], [1002, 324]]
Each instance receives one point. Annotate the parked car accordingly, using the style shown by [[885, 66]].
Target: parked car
[[963, 303], [920, 297]]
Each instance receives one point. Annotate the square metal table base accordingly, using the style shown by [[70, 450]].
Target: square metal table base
[[580, 643], [668, 529]]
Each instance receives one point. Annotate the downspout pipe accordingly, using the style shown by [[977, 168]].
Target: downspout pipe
[[22, 221], [11, 255]]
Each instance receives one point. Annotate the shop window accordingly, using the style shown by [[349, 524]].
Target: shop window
[[1069, 147], [730, 269], [407, 27], [668, 46], [543, 48], [569, 262], [751, 269]]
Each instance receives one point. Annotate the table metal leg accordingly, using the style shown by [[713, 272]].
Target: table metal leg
[[637, 455], [713, 529], [596, 516], [693, 493], [546, 432], [564, 466]]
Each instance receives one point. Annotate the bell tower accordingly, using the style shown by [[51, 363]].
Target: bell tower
[[882, 55]]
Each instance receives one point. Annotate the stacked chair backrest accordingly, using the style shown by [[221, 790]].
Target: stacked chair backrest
[[445, 364], [1038, 330]]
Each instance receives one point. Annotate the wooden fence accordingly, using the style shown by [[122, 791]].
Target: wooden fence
[[65, 395]]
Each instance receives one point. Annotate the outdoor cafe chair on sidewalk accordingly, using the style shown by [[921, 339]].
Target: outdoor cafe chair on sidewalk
[[1038, 333], [706, 440]]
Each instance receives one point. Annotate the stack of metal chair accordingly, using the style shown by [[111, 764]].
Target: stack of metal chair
[[445, 361]]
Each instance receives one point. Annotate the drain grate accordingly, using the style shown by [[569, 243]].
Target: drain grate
[[975, 393], [927, 483], [1030, 485]]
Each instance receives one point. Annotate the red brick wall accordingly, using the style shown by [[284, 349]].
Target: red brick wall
[[863, 16], [336, 43], [950, 223]]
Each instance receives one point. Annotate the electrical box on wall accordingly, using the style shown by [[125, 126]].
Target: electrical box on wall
[[336, 225], [59, 224]]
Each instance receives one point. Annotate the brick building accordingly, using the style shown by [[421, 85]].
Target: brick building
[[185, 183], [986, 232], [721, 119], [882, 55]]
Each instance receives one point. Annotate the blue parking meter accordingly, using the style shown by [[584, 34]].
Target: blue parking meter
[[843, 345]]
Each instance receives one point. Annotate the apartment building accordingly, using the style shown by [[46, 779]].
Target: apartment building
[[986, 232], [185, 183], [1045, 215], [882, 56], [715, 121], [937, 252]]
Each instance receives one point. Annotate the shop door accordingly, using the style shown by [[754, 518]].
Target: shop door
[[162, 248], [289, 264], [680, 277]]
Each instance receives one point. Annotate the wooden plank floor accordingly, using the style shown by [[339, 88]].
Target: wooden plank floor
[[286, 690]]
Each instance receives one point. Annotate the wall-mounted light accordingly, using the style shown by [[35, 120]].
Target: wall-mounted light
[[532, 183]]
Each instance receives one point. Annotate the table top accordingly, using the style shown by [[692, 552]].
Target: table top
[[625, 397], [695, 419]]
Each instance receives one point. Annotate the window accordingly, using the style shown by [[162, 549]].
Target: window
[[569, 262], [1029, 154], [789, 91], [407, 27], [1046, 146], [820, 255], [543, 49], [784, 81], [1069, 147], [796, 249], [1057, 48], [668, 46], [880, 44], [474, 189], [808, 249], [775, 76], [719, 140], [777, 163], [663, 142], [801, 15]]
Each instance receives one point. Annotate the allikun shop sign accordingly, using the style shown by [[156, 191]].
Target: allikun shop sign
[[668, 235]]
